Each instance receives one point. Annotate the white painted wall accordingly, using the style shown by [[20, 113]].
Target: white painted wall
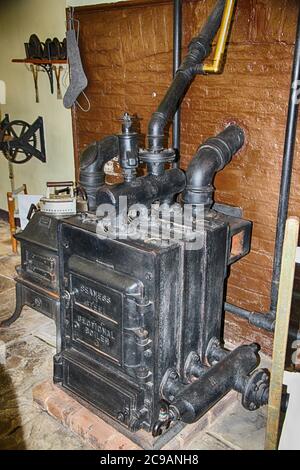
[[18, 20]]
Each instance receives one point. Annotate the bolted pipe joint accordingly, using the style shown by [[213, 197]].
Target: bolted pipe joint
[[195, 399], [207, 385], [210, 158], [199, 47]]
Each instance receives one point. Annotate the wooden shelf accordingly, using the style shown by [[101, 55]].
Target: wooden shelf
[[40, 61]]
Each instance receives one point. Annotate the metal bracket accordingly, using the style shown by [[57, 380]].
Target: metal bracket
[[49, 70]]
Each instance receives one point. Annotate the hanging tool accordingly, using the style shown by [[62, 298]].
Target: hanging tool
[[281, 331], [57, 71], [20, 141], [34, 70]]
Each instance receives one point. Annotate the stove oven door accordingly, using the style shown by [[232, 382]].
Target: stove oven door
[[97, 297], [95, 337], [40, 266], [96, 320]]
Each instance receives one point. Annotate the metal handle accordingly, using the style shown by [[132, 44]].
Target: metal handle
[[57, 184], [31, 211]]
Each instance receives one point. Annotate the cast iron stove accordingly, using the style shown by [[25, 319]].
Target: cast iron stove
[[133, 311], [37, 280]]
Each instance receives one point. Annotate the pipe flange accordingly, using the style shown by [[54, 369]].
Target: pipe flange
[[169, 385], [213, 345], [164, 156], [256, 390]]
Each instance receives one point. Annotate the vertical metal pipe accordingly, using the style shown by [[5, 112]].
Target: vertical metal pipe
[[287, 167], [177, 43]]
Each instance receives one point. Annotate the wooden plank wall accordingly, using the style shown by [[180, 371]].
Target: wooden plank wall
[[127, 55]]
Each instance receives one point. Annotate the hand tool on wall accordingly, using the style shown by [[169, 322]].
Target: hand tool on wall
[[20, 141], [281, 331], [57, 71], [34, 70], [51, 49], [34, 48]]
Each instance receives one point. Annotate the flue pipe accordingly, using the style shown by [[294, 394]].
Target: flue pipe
[[199, 49], [177, 44]]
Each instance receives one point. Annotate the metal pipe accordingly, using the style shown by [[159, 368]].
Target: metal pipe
[[287, 168], [177, 44], [260, 320], [199, 49], [212, 156], [92, 162], [207, 384], [195, 399], [217, 63], [266, 321], [145, 190]]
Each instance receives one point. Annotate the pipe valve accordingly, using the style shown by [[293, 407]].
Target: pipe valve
[[129, 147]]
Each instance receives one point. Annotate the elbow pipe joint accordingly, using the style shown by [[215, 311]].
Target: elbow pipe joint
[[92, 162], [156, 130], [210, 158]]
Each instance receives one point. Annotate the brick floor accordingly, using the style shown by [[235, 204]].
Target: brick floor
[[100, 435], [79, 419]]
